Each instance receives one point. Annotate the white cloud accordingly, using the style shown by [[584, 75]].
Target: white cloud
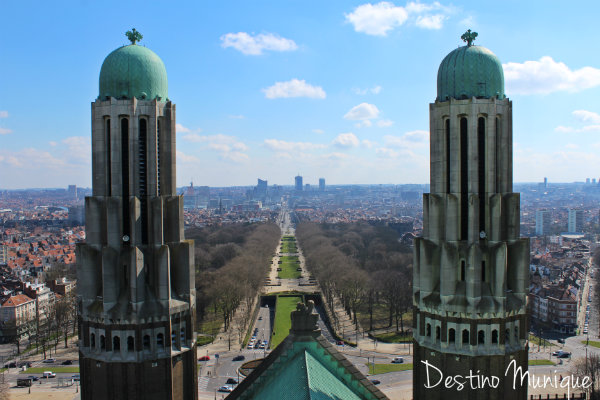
[[78, 149], [409, 140], [361, 112], [283, 146], [368, 143], [363, 124], [385, 123], [468, 21], [4, 131], [346, 140], [318, 131], [52, 143], [431, 21], [185, 158], [255, 45], [228, 147], [181, 129], [374, 90], [381, 18], [3, 114], [294, 88], [548, 76], [587, 116]]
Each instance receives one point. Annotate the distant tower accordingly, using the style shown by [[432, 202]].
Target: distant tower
[[545, 182], [470, 266], [72, 190], [298, 182], [322, 184], [542, 222], [135, 271], [575, 223]]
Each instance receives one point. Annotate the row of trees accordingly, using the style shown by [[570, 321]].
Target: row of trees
[[231, 265], [364, 266]]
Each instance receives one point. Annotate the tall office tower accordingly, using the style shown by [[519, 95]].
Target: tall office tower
[[575, 221], [470, 266], [542, 222], [261, 187], [72, 191], [135, 272], [298, 182], [545, 182], [322, 184]]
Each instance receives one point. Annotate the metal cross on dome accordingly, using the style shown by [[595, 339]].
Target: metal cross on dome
[[133, 36], [468, 37]]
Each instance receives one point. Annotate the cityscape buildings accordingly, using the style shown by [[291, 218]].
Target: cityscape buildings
[[470, 277], [135, 270]]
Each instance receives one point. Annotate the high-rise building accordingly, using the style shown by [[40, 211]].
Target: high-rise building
[[575, 223], [542, 222], [72, 191], [135, 272], [322, 184], [545, 182], [471, 268], [298, 183]]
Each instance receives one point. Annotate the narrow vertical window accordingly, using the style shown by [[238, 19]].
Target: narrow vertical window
[[158, 181], [93, 341], [482, 271], [160, 341], [146, 342], [448, 155], [102, 343], [462, 270], [108, 160], [451, 335], [428, 330], [142, 170], [481, 170], [464, 180], [497, 153], [465, 336], [125, 175], [481, 337], [495, 336], [438, 333], [130, 343], [116, 343]]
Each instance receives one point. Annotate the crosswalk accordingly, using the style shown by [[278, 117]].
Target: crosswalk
[[203, 383]]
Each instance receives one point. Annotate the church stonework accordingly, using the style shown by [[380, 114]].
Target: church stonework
[[136, 292], [470, 265]]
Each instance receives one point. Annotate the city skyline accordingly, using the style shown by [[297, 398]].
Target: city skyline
[[271, 90]]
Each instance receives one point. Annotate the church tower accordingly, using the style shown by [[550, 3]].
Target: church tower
[[135, 271], [470, 266]]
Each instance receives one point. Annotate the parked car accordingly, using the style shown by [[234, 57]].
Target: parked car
[[231, 381], [239, 358], [561, 340], [397, 360], [49, 360], [204, 358], [67, 362], [260, 318], [225, 388], [11, 365], [48, 374], [375, 381], [33, 378], [561, 354], [75, 377]]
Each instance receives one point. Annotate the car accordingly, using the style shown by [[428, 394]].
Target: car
[[250, 345], [226, 388], [261, 346], [67, 362], [49, 360], [33, 378], [561, 340], [257, 345], [11, 365], [48, 374], [231, 381], [260, 318], [204, 358], [375, 381], [397, 360], [239, 358], [75, 377], [561, 354], [24, 364]]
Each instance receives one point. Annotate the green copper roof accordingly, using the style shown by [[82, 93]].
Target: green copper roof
[[470, 71], [133, 71]]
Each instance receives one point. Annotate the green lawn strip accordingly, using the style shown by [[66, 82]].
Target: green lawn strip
[[289, 247], [541, 362], [289, 271], [57, 370], [591, 343], [202, 340], [283, 307], [538, 341], [385, 368], [394, 337]]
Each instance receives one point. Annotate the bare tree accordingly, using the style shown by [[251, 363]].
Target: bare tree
[[589, 367]]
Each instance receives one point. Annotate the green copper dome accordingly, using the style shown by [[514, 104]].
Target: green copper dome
[[133, 71], [470, 71]]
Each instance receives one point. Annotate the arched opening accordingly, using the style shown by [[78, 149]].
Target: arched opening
[[142, 171], [465, 336], [93, 341], [481, 170], [130, 343], [102, 343], [448, 155], [464, 180], [160, 341], [428, 330], [116, 343], [125, 175], [438, 333], [481, 337], [495, 336], [146, 342], [451, 335]]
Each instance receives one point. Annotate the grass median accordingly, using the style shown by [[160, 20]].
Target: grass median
[[541, 362], [56, 370], [376, 369], [283, 322]]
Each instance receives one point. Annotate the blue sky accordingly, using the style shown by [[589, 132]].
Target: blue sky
[[269, 89]]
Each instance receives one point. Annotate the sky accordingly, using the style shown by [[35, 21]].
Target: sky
[[272, 89]]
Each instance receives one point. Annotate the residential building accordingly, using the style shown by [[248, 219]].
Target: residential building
[[542, 222]]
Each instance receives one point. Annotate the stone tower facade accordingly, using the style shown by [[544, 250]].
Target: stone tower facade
[[136, 288], [470, 265]]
